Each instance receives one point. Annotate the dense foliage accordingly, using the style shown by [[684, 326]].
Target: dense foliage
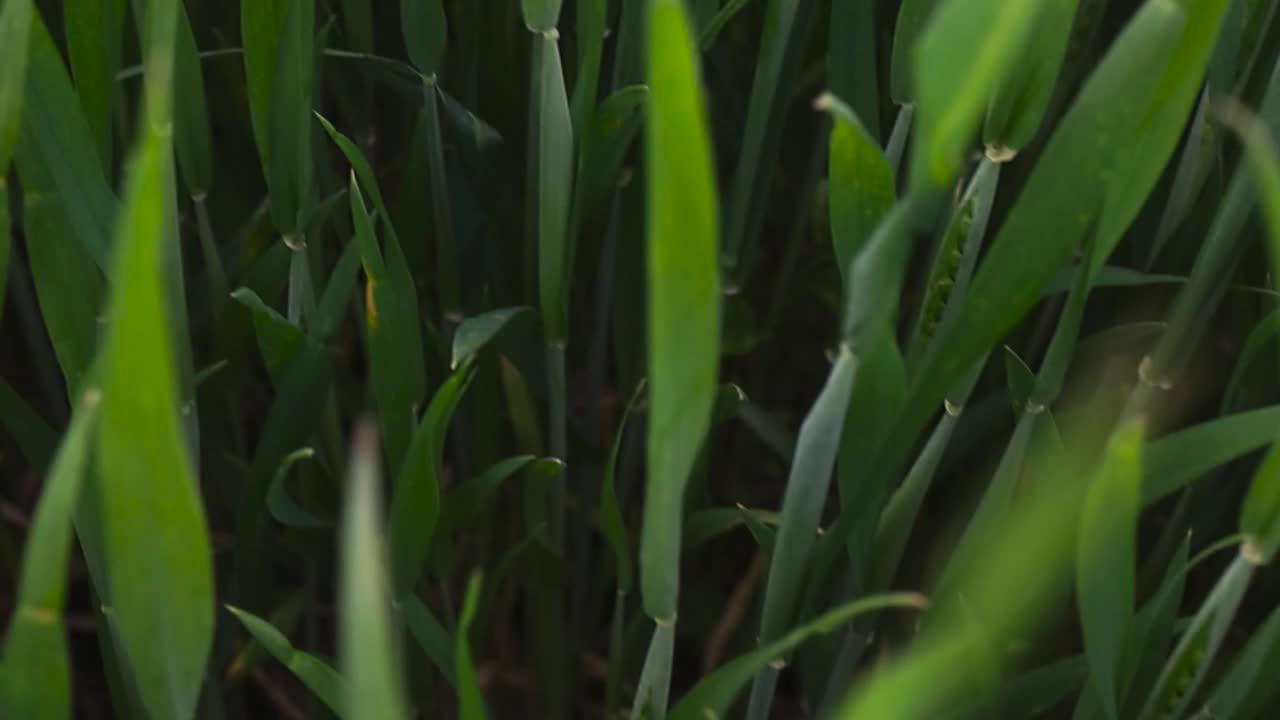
[[850, 359]]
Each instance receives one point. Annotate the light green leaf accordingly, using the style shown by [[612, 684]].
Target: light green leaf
[[370, 656], [684, 295], [35, 677]]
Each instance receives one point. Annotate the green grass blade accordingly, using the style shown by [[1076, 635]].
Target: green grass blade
[[1260, 154], [35, 678], [289, 171], [712, 28], [1176, 459], [426, 34], [966, 51], [95, 30], [30, 432], [192, 138], [317, 675], [714, 694], [591, 35], [913, 18], [605, 143], [160, 563], [860, 184], [15, 36], [370, 658], [1191, 658], [442, 214], [1091, 141], [654, 687], [463, 504], [787, 24], [68, 286], [278, 339], [415, 504], [554, 155], [283, 507], [470, 699], [609, 513], [432, 637], [396, 302], [56, 134], [293, 417], [1165, 119], [684, 296], [1019, 103], [852, 59], [802, 503], [475, 333], [540, 16], [1106, 561], [391, 315], [261, 23], [1246, 690], [1260, 516]]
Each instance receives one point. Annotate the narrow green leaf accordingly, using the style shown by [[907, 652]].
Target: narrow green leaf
[[913, 18], [860, 183], [1246, 690], [160, 571], [1022, 382], [68, 286], [431, 636], [541, 15], [317, 675], [425, 33], [1190, 660], [370, 658], [289, 137], [853, 58], [590, 28], [464, 503], [654, 687], [802, 504], [474, 333], [470, 699], [1176, 459], [684, 296], [192, 138], [35, 677], [787, 25], [15, 36], [609, 513], [605, 143], [283, 507], [94, 32], [966, 51], [711, 29], [714, 694], [1106, 561], [1163, 123], [30, 432], [1260, 516], [293, 417], [261, 23], [56, 135], [442, 214], [553, 159], [1018, 104], [394, 337], [278, 339], [415, 503]]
